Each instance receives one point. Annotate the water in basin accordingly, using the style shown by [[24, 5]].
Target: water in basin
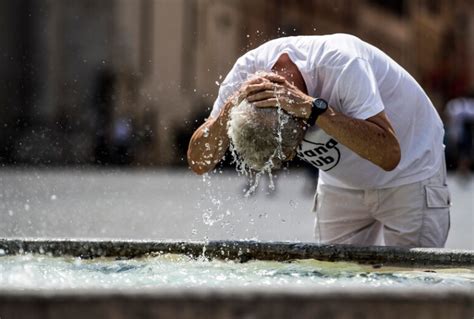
[[168, 270]]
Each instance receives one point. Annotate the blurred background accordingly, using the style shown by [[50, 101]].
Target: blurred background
[[120, 84]]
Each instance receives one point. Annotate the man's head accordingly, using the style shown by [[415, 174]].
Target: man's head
[[264, 137]]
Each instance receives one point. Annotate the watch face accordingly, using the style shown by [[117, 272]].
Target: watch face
[[320, 104]]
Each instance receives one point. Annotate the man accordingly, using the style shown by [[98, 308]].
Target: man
[[372, 132]]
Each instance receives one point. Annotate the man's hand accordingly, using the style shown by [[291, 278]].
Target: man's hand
[[257, 83], [274, 90]]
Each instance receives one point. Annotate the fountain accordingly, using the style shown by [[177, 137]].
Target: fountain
[[299, 279]]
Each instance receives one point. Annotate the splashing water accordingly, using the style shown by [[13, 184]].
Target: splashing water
[[243, 168], [213, 213]]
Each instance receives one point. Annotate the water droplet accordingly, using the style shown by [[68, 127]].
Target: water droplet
[[27, 207], [53, 197]]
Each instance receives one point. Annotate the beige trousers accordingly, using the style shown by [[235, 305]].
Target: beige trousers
[[413, 215]]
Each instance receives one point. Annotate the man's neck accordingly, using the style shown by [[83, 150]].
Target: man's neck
[[286, 68]]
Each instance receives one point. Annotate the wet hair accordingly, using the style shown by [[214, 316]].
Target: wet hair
[[262, 137]]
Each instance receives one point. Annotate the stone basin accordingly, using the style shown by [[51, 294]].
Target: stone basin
[[240, 301]]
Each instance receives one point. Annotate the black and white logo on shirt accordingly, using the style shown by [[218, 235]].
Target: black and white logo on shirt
[[324, 155]]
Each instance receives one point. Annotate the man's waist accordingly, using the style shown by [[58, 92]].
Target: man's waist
[[378, 179]]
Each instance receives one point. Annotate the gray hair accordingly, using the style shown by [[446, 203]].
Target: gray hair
[[263, 137]]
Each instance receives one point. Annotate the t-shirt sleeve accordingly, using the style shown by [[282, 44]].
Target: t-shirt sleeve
[[358, 91], [232, 82]]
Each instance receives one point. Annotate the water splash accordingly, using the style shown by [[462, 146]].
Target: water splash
[[243, 168], [213, 212]]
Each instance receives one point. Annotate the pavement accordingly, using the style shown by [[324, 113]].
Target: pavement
[[177, 205]]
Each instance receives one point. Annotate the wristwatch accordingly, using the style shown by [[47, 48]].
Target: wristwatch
[[318, 107]]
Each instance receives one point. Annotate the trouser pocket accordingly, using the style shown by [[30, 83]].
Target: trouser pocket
[[436, 219], [437, 196]]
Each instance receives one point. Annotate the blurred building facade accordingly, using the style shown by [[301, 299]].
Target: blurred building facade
[[127, 82]]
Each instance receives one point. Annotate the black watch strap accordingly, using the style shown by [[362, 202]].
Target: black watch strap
[[318, 107]]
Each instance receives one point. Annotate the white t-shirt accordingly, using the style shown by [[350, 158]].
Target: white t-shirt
[[358, 80]]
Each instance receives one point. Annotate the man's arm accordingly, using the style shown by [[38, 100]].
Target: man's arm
[[209, 142], [373, 139]]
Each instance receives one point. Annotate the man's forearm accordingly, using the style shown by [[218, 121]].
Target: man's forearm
[[371, 139], [209, 143]]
